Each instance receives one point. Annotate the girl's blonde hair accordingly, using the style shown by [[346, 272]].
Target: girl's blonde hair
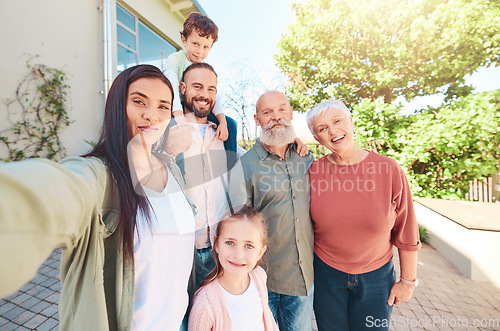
[[246, 213]]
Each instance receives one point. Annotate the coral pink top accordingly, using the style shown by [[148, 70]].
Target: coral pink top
[[360, 211]]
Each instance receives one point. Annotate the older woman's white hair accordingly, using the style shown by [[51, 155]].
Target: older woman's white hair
[[323, 106]]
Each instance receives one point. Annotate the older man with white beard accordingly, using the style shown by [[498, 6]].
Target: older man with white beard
[[273, 178]]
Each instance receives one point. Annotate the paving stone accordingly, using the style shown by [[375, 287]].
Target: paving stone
[[45, 293], [49, 324], [39, 307], [35, 322], [52, 273], [3, 321], [22, 328], [49, 282], [49, 311], [32, 301], [54, 297], [5, 306], [416, 308], [26, 287], [20, 298], [441, 307], [13, 313], [39, 278], [23, 317], [56, 287], [408, 313]]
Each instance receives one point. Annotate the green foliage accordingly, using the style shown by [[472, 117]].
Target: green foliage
[[386, 48], [441, 150], [40, 116], [246, 144], [379, 126], [424, 234], [317, 150]]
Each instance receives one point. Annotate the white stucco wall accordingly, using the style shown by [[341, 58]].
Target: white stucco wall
[[474, 252], [67, 34]]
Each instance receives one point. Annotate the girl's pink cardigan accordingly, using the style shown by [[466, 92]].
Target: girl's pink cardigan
[[209, 311]]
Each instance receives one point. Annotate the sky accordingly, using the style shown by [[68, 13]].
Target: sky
[[250, 30]]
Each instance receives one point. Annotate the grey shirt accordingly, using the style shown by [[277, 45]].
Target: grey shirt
[[279, 189]]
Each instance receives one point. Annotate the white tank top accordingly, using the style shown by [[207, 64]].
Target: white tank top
[[163, 260]]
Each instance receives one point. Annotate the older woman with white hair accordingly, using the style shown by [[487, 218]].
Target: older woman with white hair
[[361, 207]]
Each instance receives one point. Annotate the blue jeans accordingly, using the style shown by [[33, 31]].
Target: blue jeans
[[203, 264], [292, 312], [352, 302]]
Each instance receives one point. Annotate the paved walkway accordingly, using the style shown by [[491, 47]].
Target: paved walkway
[[445, 300]]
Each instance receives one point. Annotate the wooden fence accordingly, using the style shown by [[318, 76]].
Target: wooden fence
[[481, 190]]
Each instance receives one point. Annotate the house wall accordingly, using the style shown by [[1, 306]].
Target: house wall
[[67, 35]]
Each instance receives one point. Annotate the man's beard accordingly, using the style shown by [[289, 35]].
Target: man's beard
[[277, 136], [198, 112]]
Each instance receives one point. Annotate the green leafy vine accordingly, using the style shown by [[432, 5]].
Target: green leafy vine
[[37, 114]]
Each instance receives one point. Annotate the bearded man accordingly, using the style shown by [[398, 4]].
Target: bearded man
[[204, 163], [273, 178]]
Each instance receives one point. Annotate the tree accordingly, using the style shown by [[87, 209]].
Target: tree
[[386, 48], [241, 91], [441, 149], [240, 94]]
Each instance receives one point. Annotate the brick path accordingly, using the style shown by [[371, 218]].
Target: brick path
[[34, 306], [444, 294], [445, 300]]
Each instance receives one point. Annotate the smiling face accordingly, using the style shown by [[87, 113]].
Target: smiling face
[[274, 115], [197, 47], [334, 130], [240, 246], [199, 89], [149, 103], [272, 107]]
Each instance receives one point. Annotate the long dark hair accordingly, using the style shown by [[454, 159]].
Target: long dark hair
[[245, 213], [112, 150]]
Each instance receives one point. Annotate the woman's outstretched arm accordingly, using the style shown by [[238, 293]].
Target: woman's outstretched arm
[[44, 205]]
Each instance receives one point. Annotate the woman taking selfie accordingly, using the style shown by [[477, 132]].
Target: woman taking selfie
[[112, 213]]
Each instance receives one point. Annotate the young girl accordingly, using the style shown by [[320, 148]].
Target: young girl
[[234, 295]]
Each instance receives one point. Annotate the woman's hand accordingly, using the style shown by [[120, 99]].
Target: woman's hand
[[400, 292], [179, 139]]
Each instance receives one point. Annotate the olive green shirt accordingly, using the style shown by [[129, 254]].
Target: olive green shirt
[[279, 188], [73, 205]]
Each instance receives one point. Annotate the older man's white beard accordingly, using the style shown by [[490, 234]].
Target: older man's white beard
[[277, 136]]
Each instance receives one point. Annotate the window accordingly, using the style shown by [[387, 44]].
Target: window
[[137, 43]]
